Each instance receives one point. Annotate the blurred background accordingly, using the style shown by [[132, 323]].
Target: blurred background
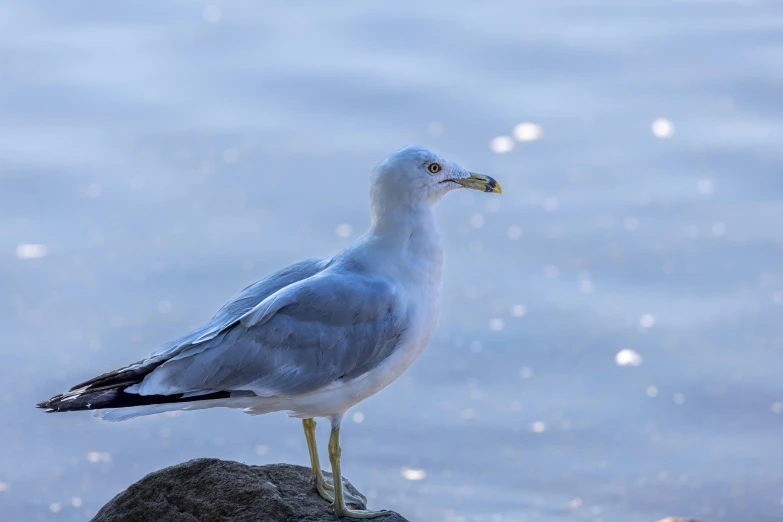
[[619, 358]]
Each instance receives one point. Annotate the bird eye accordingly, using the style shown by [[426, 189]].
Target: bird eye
[[434, 168]]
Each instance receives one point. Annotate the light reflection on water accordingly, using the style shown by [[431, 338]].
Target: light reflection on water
[[156, 157]]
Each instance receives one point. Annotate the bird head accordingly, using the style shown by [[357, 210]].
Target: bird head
[[415, 174]]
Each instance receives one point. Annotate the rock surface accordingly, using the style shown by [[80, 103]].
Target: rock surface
[[212, 490]]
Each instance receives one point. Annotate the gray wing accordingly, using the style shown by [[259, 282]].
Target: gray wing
[[118, 388], [335, 325], [246, 300]]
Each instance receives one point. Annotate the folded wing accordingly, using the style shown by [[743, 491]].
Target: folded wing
[[328, 328], [309, 326]]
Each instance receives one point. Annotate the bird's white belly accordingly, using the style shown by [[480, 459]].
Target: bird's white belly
[[338, 397]]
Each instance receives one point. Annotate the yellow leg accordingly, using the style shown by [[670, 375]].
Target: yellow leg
[[324, 486], [315, 462], [338, 505]]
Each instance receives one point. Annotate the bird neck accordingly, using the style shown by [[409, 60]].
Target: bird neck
[[409, 235]]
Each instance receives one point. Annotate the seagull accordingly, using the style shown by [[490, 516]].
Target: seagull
[[315, 338]]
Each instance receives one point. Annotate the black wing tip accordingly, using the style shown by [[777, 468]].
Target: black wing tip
[[52, 405], [98, 392], [117, 398]]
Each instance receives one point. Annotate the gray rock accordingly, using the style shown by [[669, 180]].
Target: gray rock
[[212, 490]]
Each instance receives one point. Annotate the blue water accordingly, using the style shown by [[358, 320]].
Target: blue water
[[155, 157]]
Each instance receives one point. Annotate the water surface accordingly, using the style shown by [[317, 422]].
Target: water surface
[[155, 157]]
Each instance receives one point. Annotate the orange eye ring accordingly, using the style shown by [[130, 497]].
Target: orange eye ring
[[434, 168]]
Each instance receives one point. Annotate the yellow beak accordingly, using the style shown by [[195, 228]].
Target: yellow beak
[[480, 182]]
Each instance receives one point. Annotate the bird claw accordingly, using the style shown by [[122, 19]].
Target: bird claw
[[358, 513], [326, 489]]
